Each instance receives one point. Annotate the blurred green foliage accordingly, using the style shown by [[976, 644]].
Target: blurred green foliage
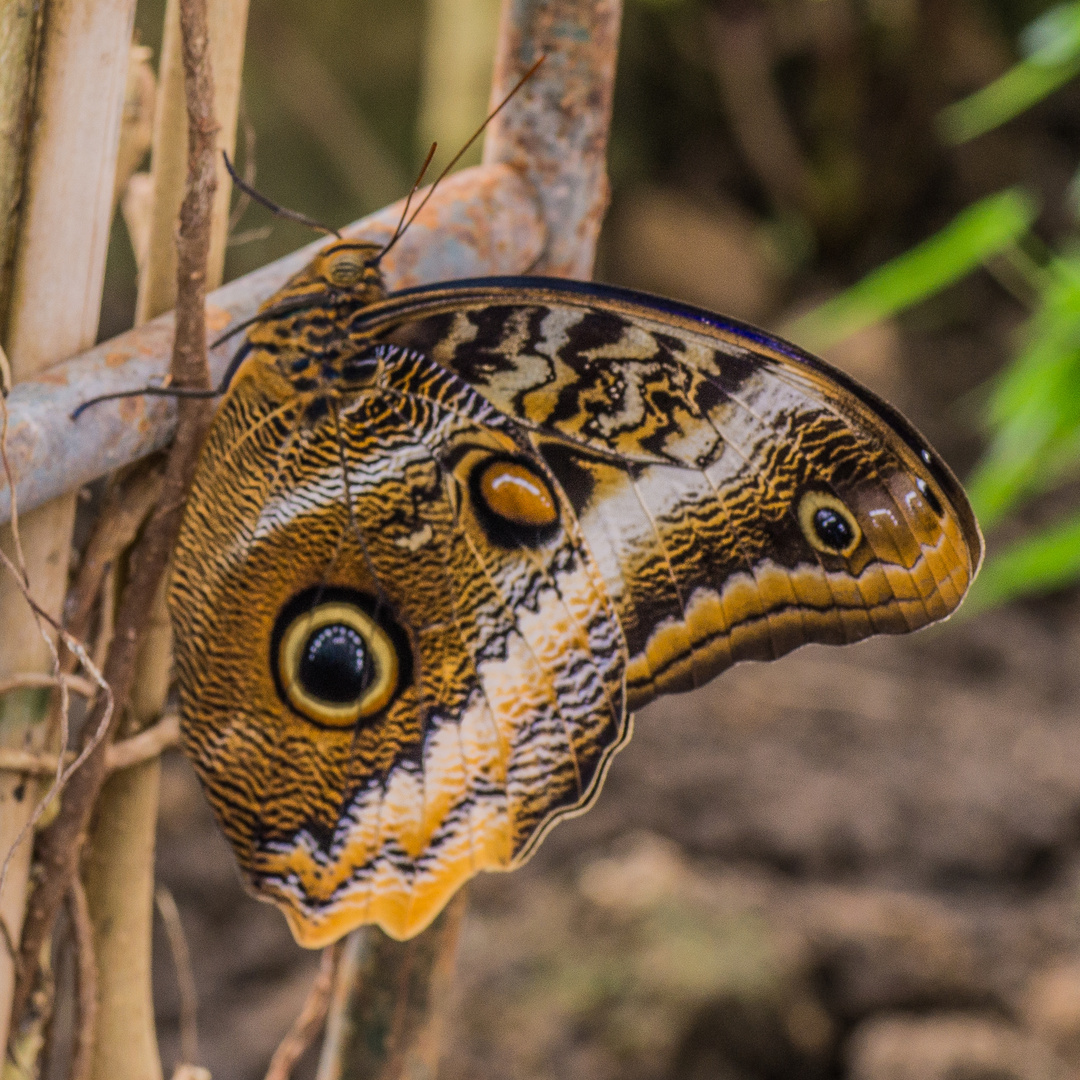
[[1031, 412]]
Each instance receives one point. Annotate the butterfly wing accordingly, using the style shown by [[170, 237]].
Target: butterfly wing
[[508, 693], [511, 510], [701, 457]]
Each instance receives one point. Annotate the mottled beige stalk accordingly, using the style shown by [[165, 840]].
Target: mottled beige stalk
[[52, 313], [459, 52], [122, 884], [228, 24]]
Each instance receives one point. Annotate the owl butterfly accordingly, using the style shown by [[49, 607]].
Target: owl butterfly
[[441, 544]]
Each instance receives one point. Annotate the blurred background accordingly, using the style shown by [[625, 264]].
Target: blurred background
[[859, 863]]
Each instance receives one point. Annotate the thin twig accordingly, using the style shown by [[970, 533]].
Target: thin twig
[[185, 976], [59, 844], [144, 746], [122, 754], [130, 499], [310, 1021], [244, 199], [104, 702], [35, 680], [86, 976]]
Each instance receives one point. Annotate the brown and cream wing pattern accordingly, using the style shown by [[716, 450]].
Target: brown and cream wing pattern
[[698, 455], [441, 543]]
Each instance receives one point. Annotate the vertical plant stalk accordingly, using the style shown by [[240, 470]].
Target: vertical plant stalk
[[86, 974], [227, 20], [459, 51], [59, 845], [388, 1002], [121, 862], [20, 32], [51, 309]]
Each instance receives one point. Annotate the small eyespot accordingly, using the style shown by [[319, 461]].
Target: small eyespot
[[517, 494], [927, 492], [828, 525], [335, 664]]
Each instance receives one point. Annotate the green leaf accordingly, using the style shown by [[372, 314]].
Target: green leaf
[[1039, 564], [975, 235], [1051, 45], [1034, 408]]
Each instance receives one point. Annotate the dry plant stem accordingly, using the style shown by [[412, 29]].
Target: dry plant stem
[[126, 1044], [35, 680], [20, 26], [310, 1021], [52, 308], [387, 1006], [86, 976], [227, 22], [120, 755], [185, 976], [129, 501], [59, 845]]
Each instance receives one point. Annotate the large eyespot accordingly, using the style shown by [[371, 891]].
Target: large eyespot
[[333, 662], [514, 500], [828, 525], [345, 268]]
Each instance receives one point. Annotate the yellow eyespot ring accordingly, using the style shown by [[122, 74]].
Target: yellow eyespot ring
[[343, 624], [827, 524], [517, 494]]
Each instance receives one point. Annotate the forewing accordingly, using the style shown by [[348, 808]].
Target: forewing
[[696, 452]]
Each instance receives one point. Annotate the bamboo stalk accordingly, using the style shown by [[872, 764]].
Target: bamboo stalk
[[119, 876], [53, 312], [58, 845], [228, 24], [121, 885], [20, 26], [388, 1002], [459, 50]]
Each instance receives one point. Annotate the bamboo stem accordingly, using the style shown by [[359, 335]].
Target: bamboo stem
[[388, 1002], [123, 839], [53, 312], [20, 26], [119, 875], [459, 50], [58, 845], [227, 21]]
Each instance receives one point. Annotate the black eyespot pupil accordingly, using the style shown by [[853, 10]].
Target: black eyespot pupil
[[334, 666], [832, 530]]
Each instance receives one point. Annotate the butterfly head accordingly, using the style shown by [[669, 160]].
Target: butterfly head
[[345, 271]]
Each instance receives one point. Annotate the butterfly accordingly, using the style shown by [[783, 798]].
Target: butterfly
[[442, 543]]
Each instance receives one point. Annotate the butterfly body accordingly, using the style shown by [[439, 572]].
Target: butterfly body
[[441, 543]]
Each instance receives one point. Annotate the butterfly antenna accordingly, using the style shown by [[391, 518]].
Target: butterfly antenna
[[408, 202], [459, 155], [273, 207]]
